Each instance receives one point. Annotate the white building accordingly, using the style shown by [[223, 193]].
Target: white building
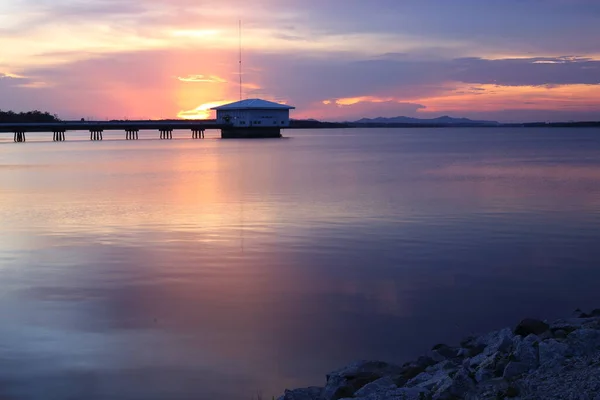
[[254, 113]]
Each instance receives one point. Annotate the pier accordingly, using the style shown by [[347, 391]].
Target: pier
[[244, 119], [164, 128]]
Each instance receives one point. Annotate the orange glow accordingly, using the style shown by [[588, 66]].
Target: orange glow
[[203, 111], [349, 101], [496, 97]]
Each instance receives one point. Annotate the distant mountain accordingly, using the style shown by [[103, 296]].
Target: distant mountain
[[445, 120]]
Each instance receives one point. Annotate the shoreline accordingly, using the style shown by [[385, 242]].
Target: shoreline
[[534, 360]]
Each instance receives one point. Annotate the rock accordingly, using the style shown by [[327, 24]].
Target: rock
[[408, 394], [429, 380], [476, 350], [456, 387], [384, 384], [584, 341], [579, 378], [546, 335], [396, 394], [560, 334], [569, 325], [475, 362], [311, 393], [500, 342], [411, 370], [489, 390], [579, 314], [493, 366], [552, 353], [537, 360], [443, 352], [346, 381], [514, 369], [530, 326], [526, 352]]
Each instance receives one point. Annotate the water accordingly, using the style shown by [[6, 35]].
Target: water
[[214, 269]]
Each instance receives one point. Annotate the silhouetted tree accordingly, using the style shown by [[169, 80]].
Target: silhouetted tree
[[28, 116]]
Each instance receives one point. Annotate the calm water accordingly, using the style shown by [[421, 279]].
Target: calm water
[[216, 269]]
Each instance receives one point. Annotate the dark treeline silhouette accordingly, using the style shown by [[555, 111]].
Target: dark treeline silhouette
[[28, 116], [314, 124]]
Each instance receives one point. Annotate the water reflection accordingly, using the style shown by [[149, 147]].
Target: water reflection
[[212, 270]]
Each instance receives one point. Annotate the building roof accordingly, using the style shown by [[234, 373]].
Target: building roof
[[254, 104]]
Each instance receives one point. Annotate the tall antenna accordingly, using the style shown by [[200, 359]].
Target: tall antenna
[[240, 46]]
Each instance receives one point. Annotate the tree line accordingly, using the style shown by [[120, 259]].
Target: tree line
[[27, 116]]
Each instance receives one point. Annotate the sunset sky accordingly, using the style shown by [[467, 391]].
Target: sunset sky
[[509, 60]]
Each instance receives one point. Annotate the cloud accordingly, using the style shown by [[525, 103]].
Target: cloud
[[141, 85], [201, 78], [151, 58]]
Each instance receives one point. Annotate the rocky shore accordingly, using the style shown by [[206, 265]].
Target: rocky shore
[[535, 360]]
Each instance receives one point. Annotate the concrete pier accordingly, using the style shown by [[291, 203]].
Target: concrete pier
[[19, 136], [59, 136], [131, 134], [96, 134], [166, 133], [132, 128], [197, 133]]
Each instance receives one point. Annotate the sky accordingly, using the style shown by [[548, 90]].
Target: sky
[[336, 60]]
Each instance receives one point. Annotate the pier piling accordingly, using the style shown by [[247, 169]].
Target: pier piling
[[197, 133], [19, 136], [166, 133], [96, 134], [131, 134], [59, 136]]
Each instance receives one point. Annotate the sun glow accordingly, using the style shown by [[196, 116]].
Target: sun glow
[[202, 111]]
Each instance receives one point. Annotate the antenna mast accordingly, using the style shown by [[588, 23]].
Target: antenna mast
[[240, 66]]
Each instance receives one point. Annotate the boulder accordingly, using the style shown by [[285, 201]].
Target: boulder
[[560, 334], [429, 380], [552, 353], [584, 341], [501, 341], [579, 314], [381, 385], [514, 369], [526, 352], [311, 393], [396, 394], [569, 325], [457, 387], [492, 367], [443, 352], [530, 326], [346, 381], [412, 369]]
